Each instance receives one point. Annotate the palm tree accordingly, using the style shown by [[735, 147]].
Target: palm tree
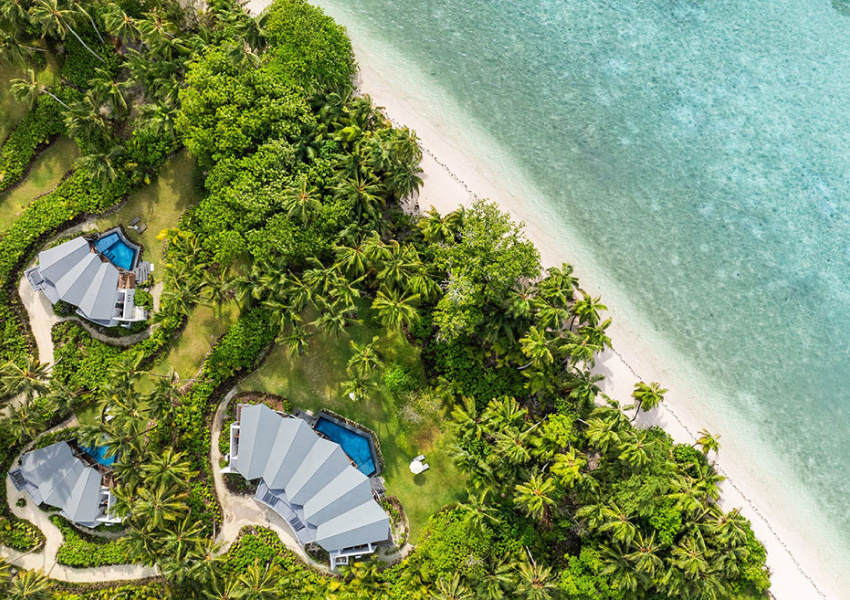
[[333, 320], [24, 422], [85, 118], [358, 388], [301, 201], [690, 557], [13, 16], [365, 360], [586, 310], [567, 467], [29, 585], [161, 118], [537, 347], [56, 20], [437, 229], [645, 557], [582, 387], [296, 341], [166, 469], [101, 165], [452, 589], [119, 24], [618, 523], [105, 86], [647, 396], [351, 260], [156, 506], [77, 8], [259, 583], [634, 450], [223, 588], [28, 89], [365, 193], [31, 379], [477, 511], [535, 582], [396, 310], [535, 496], [708, 441], [14, 51]]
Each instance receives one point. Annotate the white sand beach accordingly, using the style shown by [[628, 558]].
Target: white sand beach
[[456, 172]]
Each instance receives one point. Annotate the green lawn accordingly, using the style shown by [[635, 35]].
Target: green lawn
[[159, 204], [46, 173], [313, 382], [203, 329]]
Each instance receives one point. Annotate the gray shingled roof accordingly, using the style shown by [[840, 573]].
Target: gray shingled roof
[[313, 475], [81, 278], [58, 478]]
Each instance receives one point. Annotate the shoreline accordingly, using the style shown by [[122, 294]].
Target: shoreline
[[452, 178]]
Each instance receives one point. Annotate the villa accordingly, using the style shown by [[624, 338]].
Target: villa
[[64, 476], [309, 481], [97, 276]]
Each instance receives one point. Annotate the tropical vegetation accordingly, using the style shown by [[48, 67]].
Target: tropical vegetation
[[299, 226]]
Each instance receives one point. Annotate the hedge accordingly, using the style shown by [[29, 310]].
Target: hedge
[[82, 550], [236, 354], [38, 127]]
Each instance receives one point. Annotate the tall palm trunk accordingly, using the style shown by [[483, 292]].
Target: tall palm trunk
[[86, 46], [57, 99], [91, 20]]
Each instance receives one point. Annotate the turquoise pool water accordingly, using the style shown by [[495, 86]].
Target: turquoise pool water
[[701, 150], [98, 453], [355, 445], [116, 251]]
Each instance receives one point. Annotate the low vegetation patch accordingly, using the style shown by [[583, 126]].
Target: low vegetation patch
[[82, 550]]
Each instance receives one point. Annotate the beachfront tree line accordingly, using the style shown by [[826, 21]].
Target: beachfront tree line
[[300, 224]]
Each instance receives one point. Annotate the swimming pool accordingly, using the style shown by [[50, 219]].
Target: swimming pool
[[356, 445], [116, 251], [98, 453]]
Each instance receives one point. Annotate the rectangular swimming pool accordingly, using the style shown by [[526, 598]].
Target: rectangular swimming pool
[[356, 445], [116, 251]]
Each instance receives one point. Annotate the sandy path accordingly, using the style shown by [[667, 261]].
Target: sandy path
[[42, 319], [241, 511]]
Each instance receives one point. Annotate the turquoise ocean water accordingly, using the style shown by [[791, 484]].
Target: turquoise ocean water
[[704, 150]]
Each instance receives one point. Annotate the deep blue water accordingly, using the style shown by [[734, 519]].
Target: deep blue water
[[116, 251], [355, 445], [702, 151]]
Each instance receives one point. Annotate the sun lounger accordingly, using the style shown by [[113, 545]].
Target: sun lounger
[[134, 221], [141, 228]]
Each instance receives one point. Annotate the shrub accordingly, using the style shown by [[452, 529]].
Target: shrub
[[400, 379], [308, 47], [22, 502], [82, 550], [42, 123]]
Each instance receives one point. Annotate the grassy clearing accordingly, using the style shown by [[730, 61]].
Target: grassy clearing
[[12, 111], [88, 415], [313, 382], [160, 205], [46, 173], [203, 329]]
